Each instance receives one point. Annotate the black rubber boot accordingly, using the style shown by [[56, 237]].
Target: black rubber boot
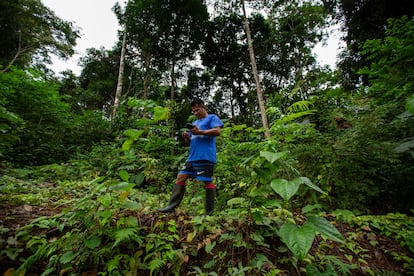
[[210, 195], [175, 199]]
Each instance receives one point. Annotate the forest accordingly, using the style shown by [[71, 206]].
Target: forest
[[315, 172]]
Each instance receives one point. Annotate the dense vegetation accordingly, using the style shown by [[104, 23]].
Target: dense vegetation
[[328, 193]]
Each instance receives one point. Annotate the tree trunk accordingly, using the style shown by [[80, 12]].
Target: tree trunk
[[172, 80], [255, 73], [147, 66], [120, 77], [172, 98]]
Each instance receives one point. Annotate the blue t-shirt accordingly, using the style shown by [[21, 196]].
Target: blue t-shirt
[[203, 147]]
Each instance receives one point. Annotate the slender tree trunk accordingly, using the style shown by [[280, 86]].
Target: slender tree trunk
[[255, 73], [172, 80], [172, 134], [147, 66], [118, 92]]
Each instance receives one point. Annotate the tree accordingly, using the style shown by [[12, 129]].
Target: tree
[[31, 32], [164, 34], [120, 77], [364, 20], [282, 34], [98, 79], [255, 73], [226, 59]]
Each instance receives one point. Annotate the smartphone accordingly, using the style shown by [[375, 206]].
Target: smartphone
[[189, 126]]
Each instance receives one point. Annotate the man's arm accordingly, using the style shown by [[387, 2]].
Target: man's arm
[[208, 132]]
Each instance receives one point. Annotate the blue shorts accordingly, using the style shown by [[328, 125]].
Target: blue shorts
[[201, 170]]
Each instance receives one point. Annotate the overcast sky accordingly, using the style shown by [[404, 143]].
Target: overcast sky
[[99, 28], [97, 22]]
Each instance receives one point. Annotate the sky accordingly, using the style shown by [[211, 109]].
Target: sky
[[99, 25]]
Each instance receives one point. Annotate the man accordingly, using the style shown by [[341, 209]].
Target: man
[[201, 159]]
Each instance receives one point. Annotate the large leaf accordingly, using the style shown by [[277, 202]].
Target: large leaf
[[134, 134], [326, 229], [122, 186], [124, 175], [272, 156], [93, 242], [68, 257], [298, 239], [161, 113], [126, 146], [307, 182], [286, 189]]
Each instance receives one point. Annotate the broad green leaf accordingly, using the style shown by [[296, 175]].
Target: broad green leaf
[[307, 182], [309, 208], [122, 186], [286, 189], [126, 146], [124, 175], [134, 134], [210, 246], [137, 178], [68, 257], [161, 113], [298, 239], [325, 228], [93, 242], [272, 156]]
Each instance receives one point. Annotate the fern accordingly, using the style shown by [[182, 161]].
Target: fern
[[293, 116], [155, 264], [299, 106], [341, 267], [125, 234]]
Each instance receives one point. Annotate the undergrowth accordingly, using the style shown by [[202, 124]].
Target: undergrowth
[[107, 226]]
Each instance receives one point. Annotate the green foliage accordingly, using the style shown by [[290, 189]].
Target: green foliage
[[39, 124], [299, 239], [398, 226], [106, 221], [268, 215], [31, 32], [391, 59], [98, 80]]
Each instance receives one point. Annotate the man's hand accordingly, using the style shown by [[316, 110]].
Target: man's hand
[[186, 135], [208, 132]]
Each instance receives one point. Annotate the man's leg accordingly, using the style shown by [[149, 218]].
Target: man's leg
[[210, 195], [176, 195]]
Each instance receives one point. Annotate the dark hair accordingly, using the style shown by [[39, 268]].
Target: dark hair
[[198, 102]]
